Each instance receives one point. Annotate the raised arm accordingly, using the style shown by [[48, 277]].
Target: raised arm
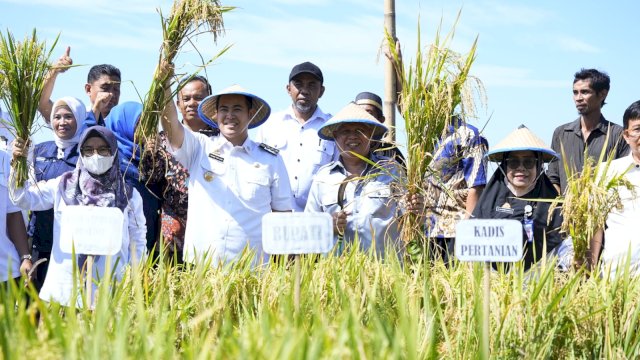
[[169, 118], [45, 104]]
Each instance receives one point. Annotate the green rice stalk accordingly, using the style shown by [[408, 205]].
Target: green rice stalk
[[187, 19], [588, 199], [23, 69], [435, 87]]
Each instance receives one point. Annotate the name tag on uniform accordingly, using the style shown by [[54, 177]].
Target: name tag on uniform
[[216, 157]]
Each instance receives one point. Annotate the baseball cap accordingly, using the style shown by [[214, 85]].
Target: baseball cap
[[306, 67]]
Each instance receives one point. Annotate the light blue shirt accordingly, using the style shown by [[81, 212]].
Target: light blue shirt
[[369, 200]]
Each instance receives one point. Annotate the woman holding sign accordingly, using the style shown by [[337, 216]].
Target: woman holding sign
[[514, 189], [357, 188], [95, 181]]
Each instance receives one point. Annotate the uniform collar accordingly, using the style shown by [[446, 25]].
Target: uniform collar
[[221, 143], [317, 114]]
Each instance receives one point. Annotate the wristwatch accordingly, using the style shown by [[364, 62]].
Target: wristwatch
[[26, 257]]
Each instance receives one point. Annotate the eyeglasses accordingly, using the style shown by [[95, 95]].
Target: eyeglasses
[[88, 151], [527, 163]]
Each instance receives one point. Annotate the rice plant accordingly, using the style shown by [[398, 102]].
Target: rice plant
[[435, 88], [24, 66], [188, 18]]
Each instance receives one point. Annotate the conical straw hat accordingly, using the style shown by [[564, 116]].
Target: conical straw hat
[[522, 139], [207, 108], [351, 113]]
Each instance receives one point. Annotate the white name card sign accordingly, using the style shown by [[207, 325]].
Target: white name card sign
[[91, 230], [297, 233], [489, 240]]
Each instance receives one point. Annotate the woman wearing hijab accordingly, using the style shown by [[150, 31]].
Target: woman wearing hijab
[[95, 181], [355, 192], [50, 160], [514, 187], [122, 121]]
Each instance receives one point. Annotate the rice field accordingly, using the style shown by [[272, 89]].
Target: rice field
[[353, 306]]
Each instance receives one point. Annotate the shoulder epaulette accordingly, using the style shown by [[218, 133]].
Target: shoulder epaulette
[[270, 149]]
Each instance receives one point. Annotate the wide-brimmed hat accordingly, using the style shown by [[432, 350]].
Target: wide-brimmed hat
[[208, 107], [351, 113], [522, 139]]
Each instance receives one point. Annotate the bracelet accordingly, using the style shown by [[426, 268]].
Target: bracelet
[[26, 257]]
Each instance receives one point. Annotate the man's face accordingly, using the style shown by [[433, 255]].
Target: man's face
[[632, 137], [353, 137], [189, 98], [373, 111], [233, 117], [105, 86], [586, 99], [305, 90]]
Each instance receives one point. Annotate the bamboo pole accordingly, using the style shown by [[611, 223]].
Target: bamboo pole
[[390, 91]]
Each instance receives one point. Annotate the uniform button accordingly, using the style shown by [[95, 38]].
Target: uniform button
[[300, 144], [295, 177], [298, 160]]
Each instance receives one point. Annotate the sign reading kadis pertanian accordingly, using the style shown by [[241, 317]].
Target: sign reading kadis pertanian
[[297, 233], [489, 240]]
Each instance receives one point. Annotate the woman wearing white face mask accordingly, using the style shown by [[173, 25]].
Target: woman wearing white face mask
[[95, 181]]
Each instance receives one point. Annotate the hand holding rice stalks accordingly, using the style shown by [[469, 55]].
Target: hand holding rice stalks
[[23, 69], [188, 18]]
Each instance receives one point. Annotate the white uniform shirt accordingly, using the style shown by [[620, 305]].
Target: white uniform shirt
[[6, 137], [230, 189], [58, 285], [9, 257], [623, 228], [302, 150], [373, 210]]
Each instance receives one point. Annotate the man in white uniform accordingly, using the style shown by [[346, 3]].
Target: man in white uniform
[[294, 131], [233, 181]]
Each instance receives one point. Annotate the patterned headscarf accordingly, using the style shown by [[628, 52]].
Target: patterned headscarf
[[79, 187], [79, 111]]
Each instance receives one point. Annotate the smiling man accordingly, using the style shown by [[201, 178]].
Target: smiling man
[[294, 131], [590, 89], [233, 181]]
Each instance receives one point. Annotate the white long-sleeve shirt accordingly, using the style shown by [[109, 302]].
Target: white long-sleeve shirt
[[58, 285]]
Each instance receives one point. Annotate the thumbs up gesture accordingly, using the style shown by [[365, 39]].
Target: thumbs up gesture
[[64, 62]]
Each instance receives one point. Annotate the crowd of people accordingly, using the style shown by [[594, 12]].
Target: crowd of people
[[199, 189]]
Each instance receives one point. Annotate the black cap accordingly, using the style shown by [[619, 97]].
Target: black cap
[[369, 98], [306, 67]]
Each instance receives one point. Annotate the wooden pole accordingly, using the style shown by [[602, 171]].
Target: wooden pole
[[89, 280], [485, 346], [390, 91]]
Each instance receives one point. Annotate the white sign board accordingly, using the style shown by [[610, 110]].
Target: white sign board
[[297, 233], [489, 240], [92, 230]]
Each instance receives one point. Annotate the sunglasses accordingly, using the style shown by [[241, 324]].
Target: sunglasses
[[527, 163]]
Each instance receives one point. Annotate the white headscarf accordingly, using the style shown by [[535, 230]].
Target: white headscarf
[[79, 111]]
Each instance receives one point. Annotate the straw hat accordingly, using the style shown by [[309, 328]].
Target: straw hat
[[351, 113], [207, 108], [522, 139]]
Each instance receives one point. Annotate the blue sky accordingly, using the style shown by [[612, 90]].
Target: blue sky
[[527, 53]]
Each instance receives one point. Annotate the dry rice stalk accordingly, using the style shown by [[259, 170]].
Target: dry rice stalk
[[433, 89], [188, 18], [23, 68]]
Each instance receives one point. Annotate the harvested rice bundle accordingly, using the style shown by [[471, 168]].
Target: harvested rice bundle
[[188, 18], [23, 68]]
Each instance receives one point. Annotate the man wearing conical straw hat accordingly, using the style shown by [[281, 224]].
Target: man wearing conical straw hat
[[233, 181], [360, 189], [511, 191], [589, 131]]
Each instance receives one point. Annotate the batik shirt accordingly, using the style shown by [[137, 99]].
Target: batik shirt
[[458, 165]]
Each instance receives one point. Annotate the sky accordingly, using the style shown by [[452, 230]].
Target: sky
[[527, 51]]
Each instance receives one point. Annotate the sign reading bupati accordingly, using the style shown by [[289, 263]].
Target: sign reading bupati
[[489, 240], [91, 230], [297, 233]]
